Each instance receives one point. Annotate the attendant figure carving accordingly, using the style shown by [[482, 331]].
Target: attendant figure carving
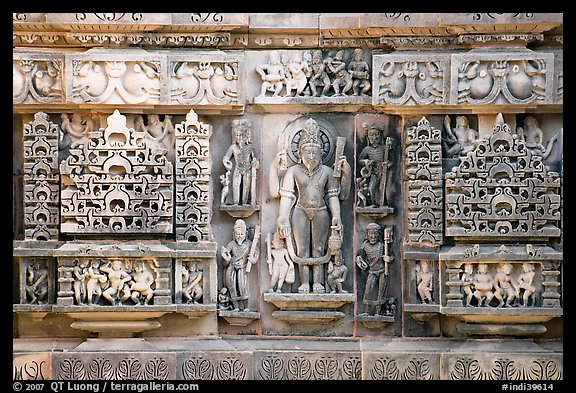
[[375, 183], [192, 280], [424, 282], [244, 172], [239, 255], [280, 266], [526, 287], [119, 290], [360, 73], [80, 273], [460, 140], [319, 77], [484, 285], [342, 82], [533, 137], [37, 282], [272, 74], [141, 286], [299, 71], [373, 257], [77, 130], [505, 285], [467, 279]]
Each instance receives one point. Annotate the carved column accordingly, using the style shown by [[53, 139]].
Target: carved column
[[550, 281], [454, 283], [193, 174], [41, 183]]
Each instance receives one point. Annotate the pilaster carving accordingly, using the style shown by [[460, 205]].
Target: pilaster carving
[[423, 171], [193, 177], [41, 183]]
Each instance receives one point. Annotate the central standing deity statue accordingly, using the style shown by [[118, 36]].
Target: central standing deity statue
[[309, 213]]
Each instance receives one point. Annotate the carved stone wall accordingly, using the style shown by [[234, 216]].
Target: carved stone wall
[[214, 196]]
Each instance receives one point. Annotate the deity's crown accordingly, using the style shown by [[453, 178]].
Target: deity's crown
[[310, 135], [240, 224]]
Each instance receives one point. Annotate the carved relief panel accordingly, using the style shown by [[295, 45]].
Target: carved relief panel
[[37, 283], [206, 79], [308, 239], [411, 79], [522, 77], [37, 78], [344, 75], [491, 288], [240, 183], [109, 275], [115, 77], [377, 200]]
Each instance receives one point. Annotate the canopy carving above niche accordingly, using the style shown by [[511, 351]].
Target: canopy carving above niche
[[116, 183], [502, 190]]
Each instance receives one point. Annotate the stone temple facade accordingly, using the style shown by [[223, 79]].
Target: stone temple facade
[[217, 196]]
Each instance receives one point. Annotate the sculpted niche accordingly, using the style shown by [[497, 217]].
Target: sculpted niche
[[310, 192]]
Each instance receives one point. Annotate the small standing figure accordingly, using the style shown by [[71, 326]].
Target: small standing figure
[[342, 79], [337, 274], [80, 279], [280, 266], [390, 306], [319, 76], [192, 280], [77, 130], [244, 173], [468, 283], [533, 137], [94, 282], [142, 285], [505, 285], [160, 134], [526, 283], [224, 302], [225, 181], [272, 75], [375, 162], [460, 140], [484, 284], [37, 282], [424, 282], [337, 271], [298, 70], [360, 72], [118, 279], [373, 257], [239, 255]]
